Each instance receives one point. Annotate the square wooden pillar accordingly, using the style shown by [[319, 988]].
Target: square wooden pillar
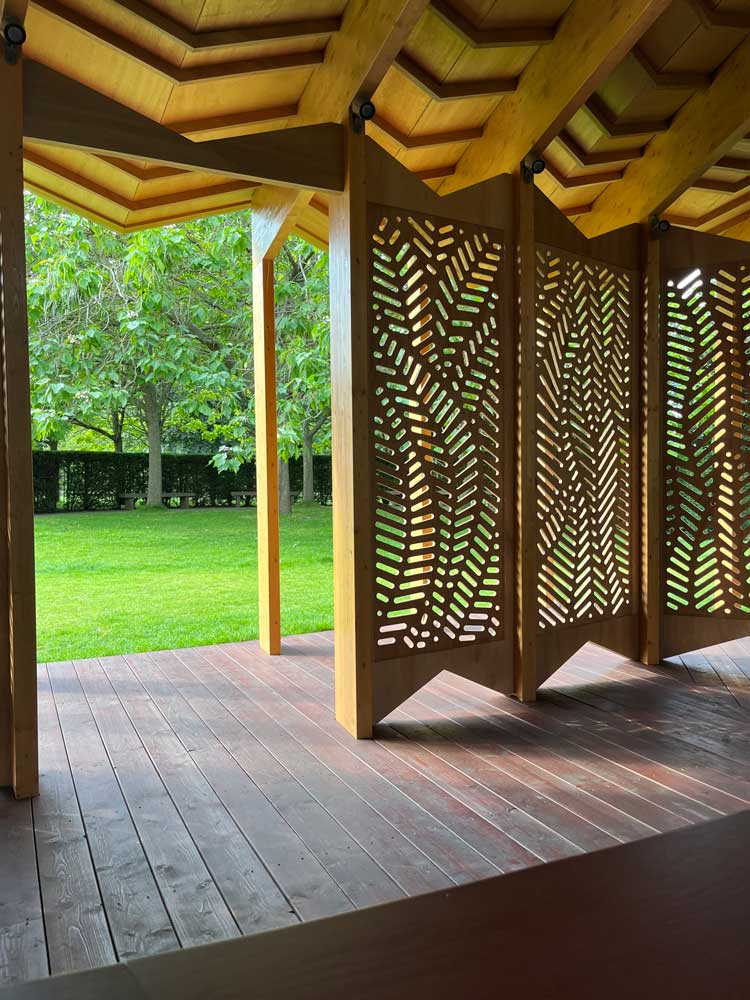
[[18, 706], [353, 550], [266, 454]]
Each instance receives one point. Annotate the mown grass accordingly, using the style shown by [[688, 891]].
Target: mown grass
[[140, 580]]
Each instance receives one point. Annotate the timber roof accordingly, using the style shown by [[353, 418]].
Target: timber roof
[[211, 69]]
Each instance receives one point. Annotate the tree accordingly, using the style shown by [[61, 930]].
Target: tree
[[149, 335]]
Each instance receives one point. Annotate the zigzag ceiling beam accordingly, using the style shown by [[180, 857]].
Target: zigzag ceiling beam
[[428, 139], [356, 60], [179, 74], [714, 18], [702, 131], [200, 128], [63, 112], [205, 41], [453, 91], [591, 39], [136, 204], [617, 129], [581, 180], [492, 38], [668, 78], [595, 159], [699, 221]]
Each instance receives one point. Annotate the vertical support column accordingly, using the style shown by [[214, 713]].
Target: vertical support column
[[652, 475], [525, 674], [352, 463], [266, 453], [17, 592]]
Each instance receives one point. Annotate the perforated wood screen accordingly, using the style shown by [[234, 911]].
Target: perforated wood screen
[[586, 440], [707, 446], [438, 401]]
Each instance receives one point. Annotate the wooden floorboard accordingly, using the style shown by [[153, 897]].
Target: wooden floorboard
[[191, 796]]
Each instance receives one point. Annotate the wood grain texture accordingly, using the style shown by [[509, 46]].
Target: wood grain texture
[[18, 528], [655, 894], [706, 128], [561, 76], [235, 791], [75, 922], [266, 460], [61, 111]]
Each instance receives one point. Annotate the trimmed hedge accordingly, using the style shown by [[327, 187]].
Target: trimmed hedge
[[95, 480]]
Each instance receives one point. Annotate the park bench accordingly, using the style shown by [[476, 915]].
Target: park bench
[[128, 499]]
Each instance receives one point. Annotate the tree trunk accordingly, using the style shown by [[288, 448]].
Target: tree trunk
[[285, 494], [152, 412], [308, 490], [53, 444], [117, 432]]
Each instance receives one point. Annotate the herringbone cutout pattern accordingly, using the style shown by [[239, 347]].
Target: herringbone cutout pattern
[[438, 405], [585, 439], [707, 456]]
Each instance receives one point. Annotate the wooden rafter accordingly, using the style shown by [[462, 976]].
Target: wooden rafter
[[358, 56], [595, 159], [712, 17], [60, 111], [426, 139], [703, 131], [561, 76], [206, 41], [453, 91], [492, 38], [175, 73], [616, 128]]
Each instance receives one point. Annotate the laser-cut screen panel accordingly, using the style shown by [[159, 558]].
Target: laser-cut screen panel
[[438, 412], [707, 453], [585, 439]]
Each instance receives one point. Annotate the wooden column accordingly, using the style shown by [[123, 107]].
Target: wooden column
[[18, 714], [275, 213], [352, 464], [652, 466], [266, 454], [525, 681]]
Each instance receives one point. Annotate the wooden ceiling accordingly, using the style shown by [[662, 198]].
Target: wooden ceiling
[[669, 110]]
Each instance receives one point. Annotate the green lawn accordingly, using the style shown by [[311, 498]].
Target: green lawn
[[141, 580]]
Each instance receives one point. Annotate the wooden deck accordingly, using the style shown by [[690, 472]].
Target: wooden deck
[[195, 795]]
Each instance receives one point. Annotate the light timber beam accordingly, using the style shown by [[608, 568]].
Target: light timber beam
[[62, 112], [266, 460], [358, 56], [275, 213], [703, 130], [18, 709], [592, 38]]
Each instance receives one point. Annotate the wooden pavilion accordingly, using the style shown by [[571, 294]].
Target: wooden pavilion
[[538, 218]]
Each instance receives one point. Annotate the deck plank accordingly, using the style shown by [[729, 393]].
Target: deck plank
[[136, 912], [194, 795], [255, 900], [23, 953], [288, 817], [178, 867], [78, 936]]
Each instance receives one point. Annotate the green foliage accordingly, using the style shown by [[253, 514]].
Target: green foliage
[[112, 318], [112, 583], [96, 480]]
